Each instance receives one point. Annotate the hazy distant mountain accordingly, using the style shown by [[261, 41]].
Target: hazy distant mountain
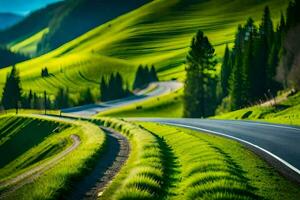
[[9, 19]]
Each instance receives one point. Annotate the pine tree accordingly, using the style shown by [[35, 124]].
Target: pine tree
[[225, 72], [103, 90], [248, 71], [119, 91], [87, 97], [62, 98], [264, 48], [138, 82], [153, 74], [236, 79], [200, 64], [12, 90]]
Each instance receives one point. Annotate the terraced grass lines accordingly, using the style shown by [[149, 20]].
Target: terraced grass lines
[[207, 172], [212, 167], [146, 173], [56, 179]]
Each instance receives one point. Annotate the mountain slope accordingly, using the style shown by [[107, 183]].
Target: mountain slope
[[157, 33], [11, 58], [9, 19], [79, 16], [30, 25]]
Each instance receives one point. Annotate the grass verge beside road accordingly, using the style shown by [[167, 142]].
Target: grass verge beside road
[[285, 112], [212, 167]]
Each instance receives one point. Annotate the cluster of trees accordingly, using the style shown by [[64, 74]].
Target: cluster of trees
[[249, 70], [113, 88], [144, 76], [45, 72], [262, 61], [12, 97]]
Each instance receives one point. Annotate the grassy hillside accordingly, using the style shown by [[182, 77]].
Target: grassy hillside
[[38, 140], [285, 112], [158, 33], [30, 25], [29, 45]]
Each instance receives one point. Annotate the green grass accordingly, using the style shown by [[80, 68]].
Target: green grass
[[211, 167], [28, 46], [17, 136], [158, 33], [55, 181], [145, 174], [285, 112], [167, 105]]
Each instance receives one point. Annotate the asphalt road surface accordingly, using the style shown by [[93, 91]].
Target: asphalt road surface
[[279, 144], [160, 88]]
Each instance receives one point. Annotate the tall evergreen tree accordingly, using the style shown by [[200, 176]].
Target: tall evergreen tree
[[103, 90], [200, 65], [248, 71], [236, 79], [138, 82], [264, 45], [119, 91], [153, 74], [225, 72], [12, 90]]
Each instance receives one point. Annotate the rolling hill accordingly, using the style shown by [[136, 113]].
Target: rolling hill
[[157, 33]]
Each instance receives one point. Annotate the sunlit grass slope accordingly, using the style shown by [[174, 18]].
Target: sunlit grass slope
[[29, 45], [210, 167], [158, 33], [285, 112], [37, 140]]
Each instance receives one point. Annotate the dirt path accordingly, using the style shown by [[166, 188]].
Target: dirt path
[[108, 165], [32, 174]]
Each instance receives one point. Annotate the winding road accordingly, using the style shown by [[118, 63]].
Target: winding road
[[159, 88], [277, 144]]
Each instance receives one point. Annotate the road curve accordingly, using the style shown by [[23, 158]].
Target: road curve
[[35, 172], [278, 144], [159, 88]]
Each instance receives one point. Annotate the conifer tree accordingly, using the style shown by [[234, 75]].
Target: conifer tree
[[153, 74], [225, 72], [266, 38], [200, 65], [138, 82], [12, 90], [103, 90]]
